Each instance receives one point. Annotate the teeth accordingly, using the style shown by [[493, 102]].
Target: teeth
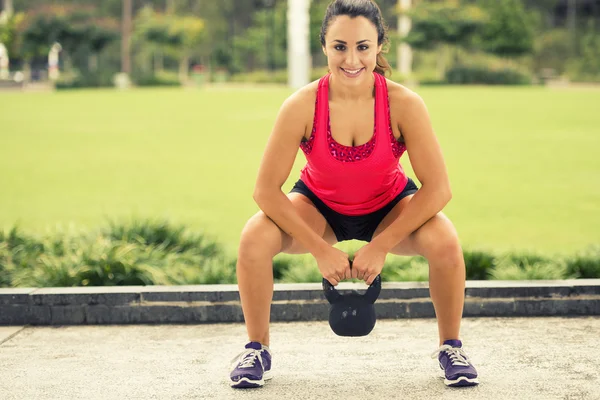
[[353, 72]]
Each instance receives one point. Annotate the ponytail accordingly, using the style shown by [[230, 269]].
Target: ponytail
[[383, 66]]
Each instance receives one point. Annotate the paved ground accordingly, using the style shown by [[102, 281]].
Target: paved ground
[[517, 358]]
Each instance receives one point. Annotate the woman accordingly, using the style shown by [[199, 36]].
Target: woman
[[352, 187]]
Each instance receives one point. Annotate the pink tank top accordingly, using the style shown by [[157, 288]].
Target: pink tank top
[[354, 180]]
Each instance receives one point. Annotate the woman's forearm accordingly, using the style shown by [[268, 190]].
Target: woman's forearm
[[278, 207], [424, 205]]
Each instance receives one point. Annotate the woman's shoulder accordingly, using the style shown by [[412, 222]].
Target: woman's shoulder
[[298, 109], [400, 94], [304, 98], [306, 94], [404, 102]]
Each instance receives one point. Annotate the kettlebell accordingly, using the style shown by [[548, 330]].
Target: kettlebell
[[352, 314]]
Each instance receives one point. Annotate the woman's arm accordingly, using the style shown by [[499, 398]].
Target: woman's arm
[[277, 161], [428, 164]]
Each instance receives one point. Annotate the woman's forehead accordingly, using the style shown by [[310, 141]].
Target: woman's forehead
[[351, 30]]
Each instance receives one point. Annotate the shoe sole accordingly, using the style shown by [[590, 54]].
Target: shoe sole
[[245, 383], [461, 381]]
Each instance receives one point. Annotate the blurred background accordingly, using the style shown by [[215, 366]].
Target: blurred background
[[182, 42], [131, 132]]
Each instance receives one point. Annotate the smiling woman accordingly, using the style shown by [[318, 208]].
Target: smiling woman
[[353, 126], [350, 10]]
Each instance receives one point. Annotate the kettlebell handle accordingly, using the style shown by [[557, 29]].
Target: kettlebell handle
[[332, 295]]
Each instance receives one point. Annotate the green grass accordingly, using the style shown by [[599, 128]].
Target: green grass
[[523, 162]]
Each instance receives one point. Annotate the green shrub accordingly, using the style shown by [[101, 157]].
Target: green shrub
[[169, 237], [17, 252], [158, 79], [318, 73], [462, 74], [524, 259], [479, 264], [405, 269], [151, 252], [141, 252], [84, 80], [586, 67], [281, 264], [529, 271], [83, 261], [551, 50], [5, 267], [585, 264], [261, 76], [278, 76], [216, 270], [302, 270]]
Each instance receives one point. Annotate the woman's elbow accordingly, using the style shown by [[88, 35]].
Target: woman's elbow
[[442, 193], [258, 195], [446, 194], [261, 194]]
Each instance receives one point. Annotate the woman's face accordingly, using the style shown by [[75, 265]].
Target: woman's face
[[351, 49]]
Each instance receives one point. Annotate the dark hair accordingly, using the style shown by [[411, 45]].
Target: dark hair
[[360, 8]]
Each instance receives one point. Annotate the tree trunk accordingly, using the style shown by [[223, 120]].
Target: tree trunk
[[170, 7], [442, 58], [8, 7], [299, 60], [404, 52], [93, 62], [184, 64], [158, 61], [572, 21], [126, 25]]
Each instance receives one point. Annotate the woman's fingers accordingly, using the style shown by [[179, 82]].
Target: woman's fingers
[[333, 280]]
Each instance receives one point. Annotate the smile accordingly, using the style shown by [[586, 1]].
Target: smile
[[352, 72]]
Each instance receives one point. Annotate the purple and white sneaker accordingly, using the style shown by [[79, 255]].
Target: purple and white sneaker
[[252, 367], [458, 370]]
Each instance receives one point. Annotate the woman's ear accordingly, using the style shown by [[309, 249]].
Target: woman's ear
[[324, 50]]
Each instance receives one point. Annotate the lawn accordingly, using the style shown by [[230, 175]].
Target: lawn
[[523, 162]]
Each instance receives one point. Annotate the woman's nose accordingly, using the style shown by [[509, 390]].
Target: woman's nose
[[352, 59]]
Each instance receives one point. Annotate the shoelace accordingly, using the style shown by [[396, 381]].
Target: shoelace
[[247, 359], [456, 354]]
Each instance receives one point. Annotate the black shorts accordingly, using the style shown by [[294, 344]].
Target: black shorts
[[348, 227]]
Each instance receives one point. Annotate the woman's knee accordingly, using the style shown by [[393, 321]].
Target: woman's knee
[[438, 240], [260, 238]]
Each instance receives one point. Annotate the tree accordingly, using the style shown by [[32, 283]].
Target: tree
[[175, 36], [510, 30], [439, 25], [80, 33], [9, 35], [587, 65], [263, 44]]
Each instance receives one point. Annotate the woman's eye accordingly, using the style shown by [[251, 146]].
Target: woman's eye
[[363, 47], [340, 47]]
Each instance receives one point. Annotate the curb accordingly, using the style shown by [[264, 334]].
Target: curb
[[291, 302]]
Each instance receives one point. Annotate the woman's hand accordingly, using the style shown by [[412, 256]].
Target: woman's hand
[[368, 262], [333, 264]]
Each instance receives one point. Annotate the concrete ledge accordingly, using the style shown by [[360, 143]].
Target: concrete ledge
[[291, 302]]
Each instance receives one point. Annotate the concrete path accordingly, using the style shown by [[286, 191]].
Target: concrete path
[[517, 358]]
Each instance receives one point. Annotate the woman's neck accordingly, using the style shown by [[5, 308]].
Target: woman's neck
[[360, 92]]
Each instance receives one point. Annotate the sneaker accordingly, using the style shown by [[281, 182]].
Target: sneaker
[[251, 367], [458, 370]]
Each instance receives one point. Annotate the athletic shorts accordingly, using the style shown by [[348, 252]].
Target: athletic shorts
[[348, 227]]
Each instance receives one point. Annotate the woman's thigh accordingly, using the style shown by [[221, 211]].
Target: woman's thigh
[[419, 241], [407, 247], [315, 220]]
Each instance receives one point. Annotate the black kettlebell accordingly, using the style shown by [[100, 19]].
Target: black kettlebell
[[352, 314]]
